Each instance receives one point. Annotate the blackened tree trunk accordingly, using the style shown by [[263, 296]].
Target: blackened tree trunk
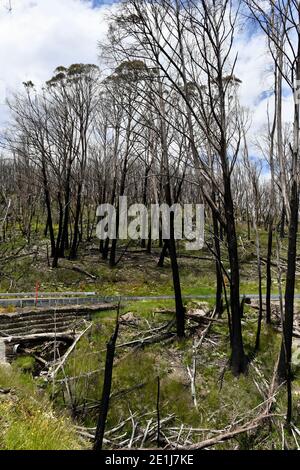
[[238, 360], [268, 272], [74, 246], [180, 310], [112, 201], [64, 244], [284, 366], [260, 300], [57, 244], [49, 210], [219, 276], [145, 191], [163, 254], [113, 249], [110, 354], [286, 345]]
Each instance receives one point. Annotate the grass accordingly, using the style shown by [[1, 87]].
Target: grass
[[25, 363], [136, 274], [221, 397], [27, 418]]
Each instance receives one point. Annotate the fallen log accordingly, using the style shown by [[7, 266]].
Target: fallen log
[[82, 271], [65, 356], [200, 318], [35, 356], [147, 340], [224, 436], [68, 335]]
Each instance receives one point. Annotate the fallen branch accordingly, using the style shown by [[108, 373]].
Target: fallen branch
[[147, 340], [70, 350], [35, 356], [82, 271], [250, 426], [68, 335], [200, 318]]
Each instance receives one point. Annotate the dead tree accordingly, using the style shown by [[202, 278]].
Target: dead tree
[[160, 34], [104, 406], [284, 35]]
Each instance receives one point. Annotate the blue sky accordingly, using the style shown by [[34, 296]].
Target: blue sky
[[39, 35], [97, 3]]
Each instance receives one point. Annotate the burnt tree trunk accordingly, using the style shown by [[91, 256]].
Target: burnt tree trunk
[[163, 254], [56, 249], [145, 192], [238, 360], [64, 243], [180, 310], [286, 345], [49, 211], [268, 272], [74, 247], [219, 277], [110, 353]]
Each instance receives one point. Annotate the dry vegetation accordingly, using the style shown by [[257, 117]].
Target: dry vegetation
[[147, 348]]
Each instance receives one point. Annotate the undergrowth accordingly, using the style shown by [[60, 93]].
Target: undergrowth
[[27, 418]]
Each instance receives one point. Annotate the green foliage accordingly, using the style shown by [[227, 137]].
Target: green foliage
[[27, 418], [25, 363], [221, 398]]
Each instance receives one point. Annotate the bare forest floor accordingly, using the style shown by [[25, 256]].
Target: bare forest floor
[[200, 402]]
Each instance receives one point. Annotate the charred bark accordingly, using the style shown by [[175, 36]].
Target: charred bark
[[104, 407]]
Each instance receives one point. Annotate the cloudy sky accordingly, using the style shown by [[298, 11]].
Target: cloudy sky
[[38, 35]]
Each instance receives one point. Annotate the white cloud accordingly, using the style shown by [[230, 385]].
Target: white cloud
[[38, 35], [254, 68]]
